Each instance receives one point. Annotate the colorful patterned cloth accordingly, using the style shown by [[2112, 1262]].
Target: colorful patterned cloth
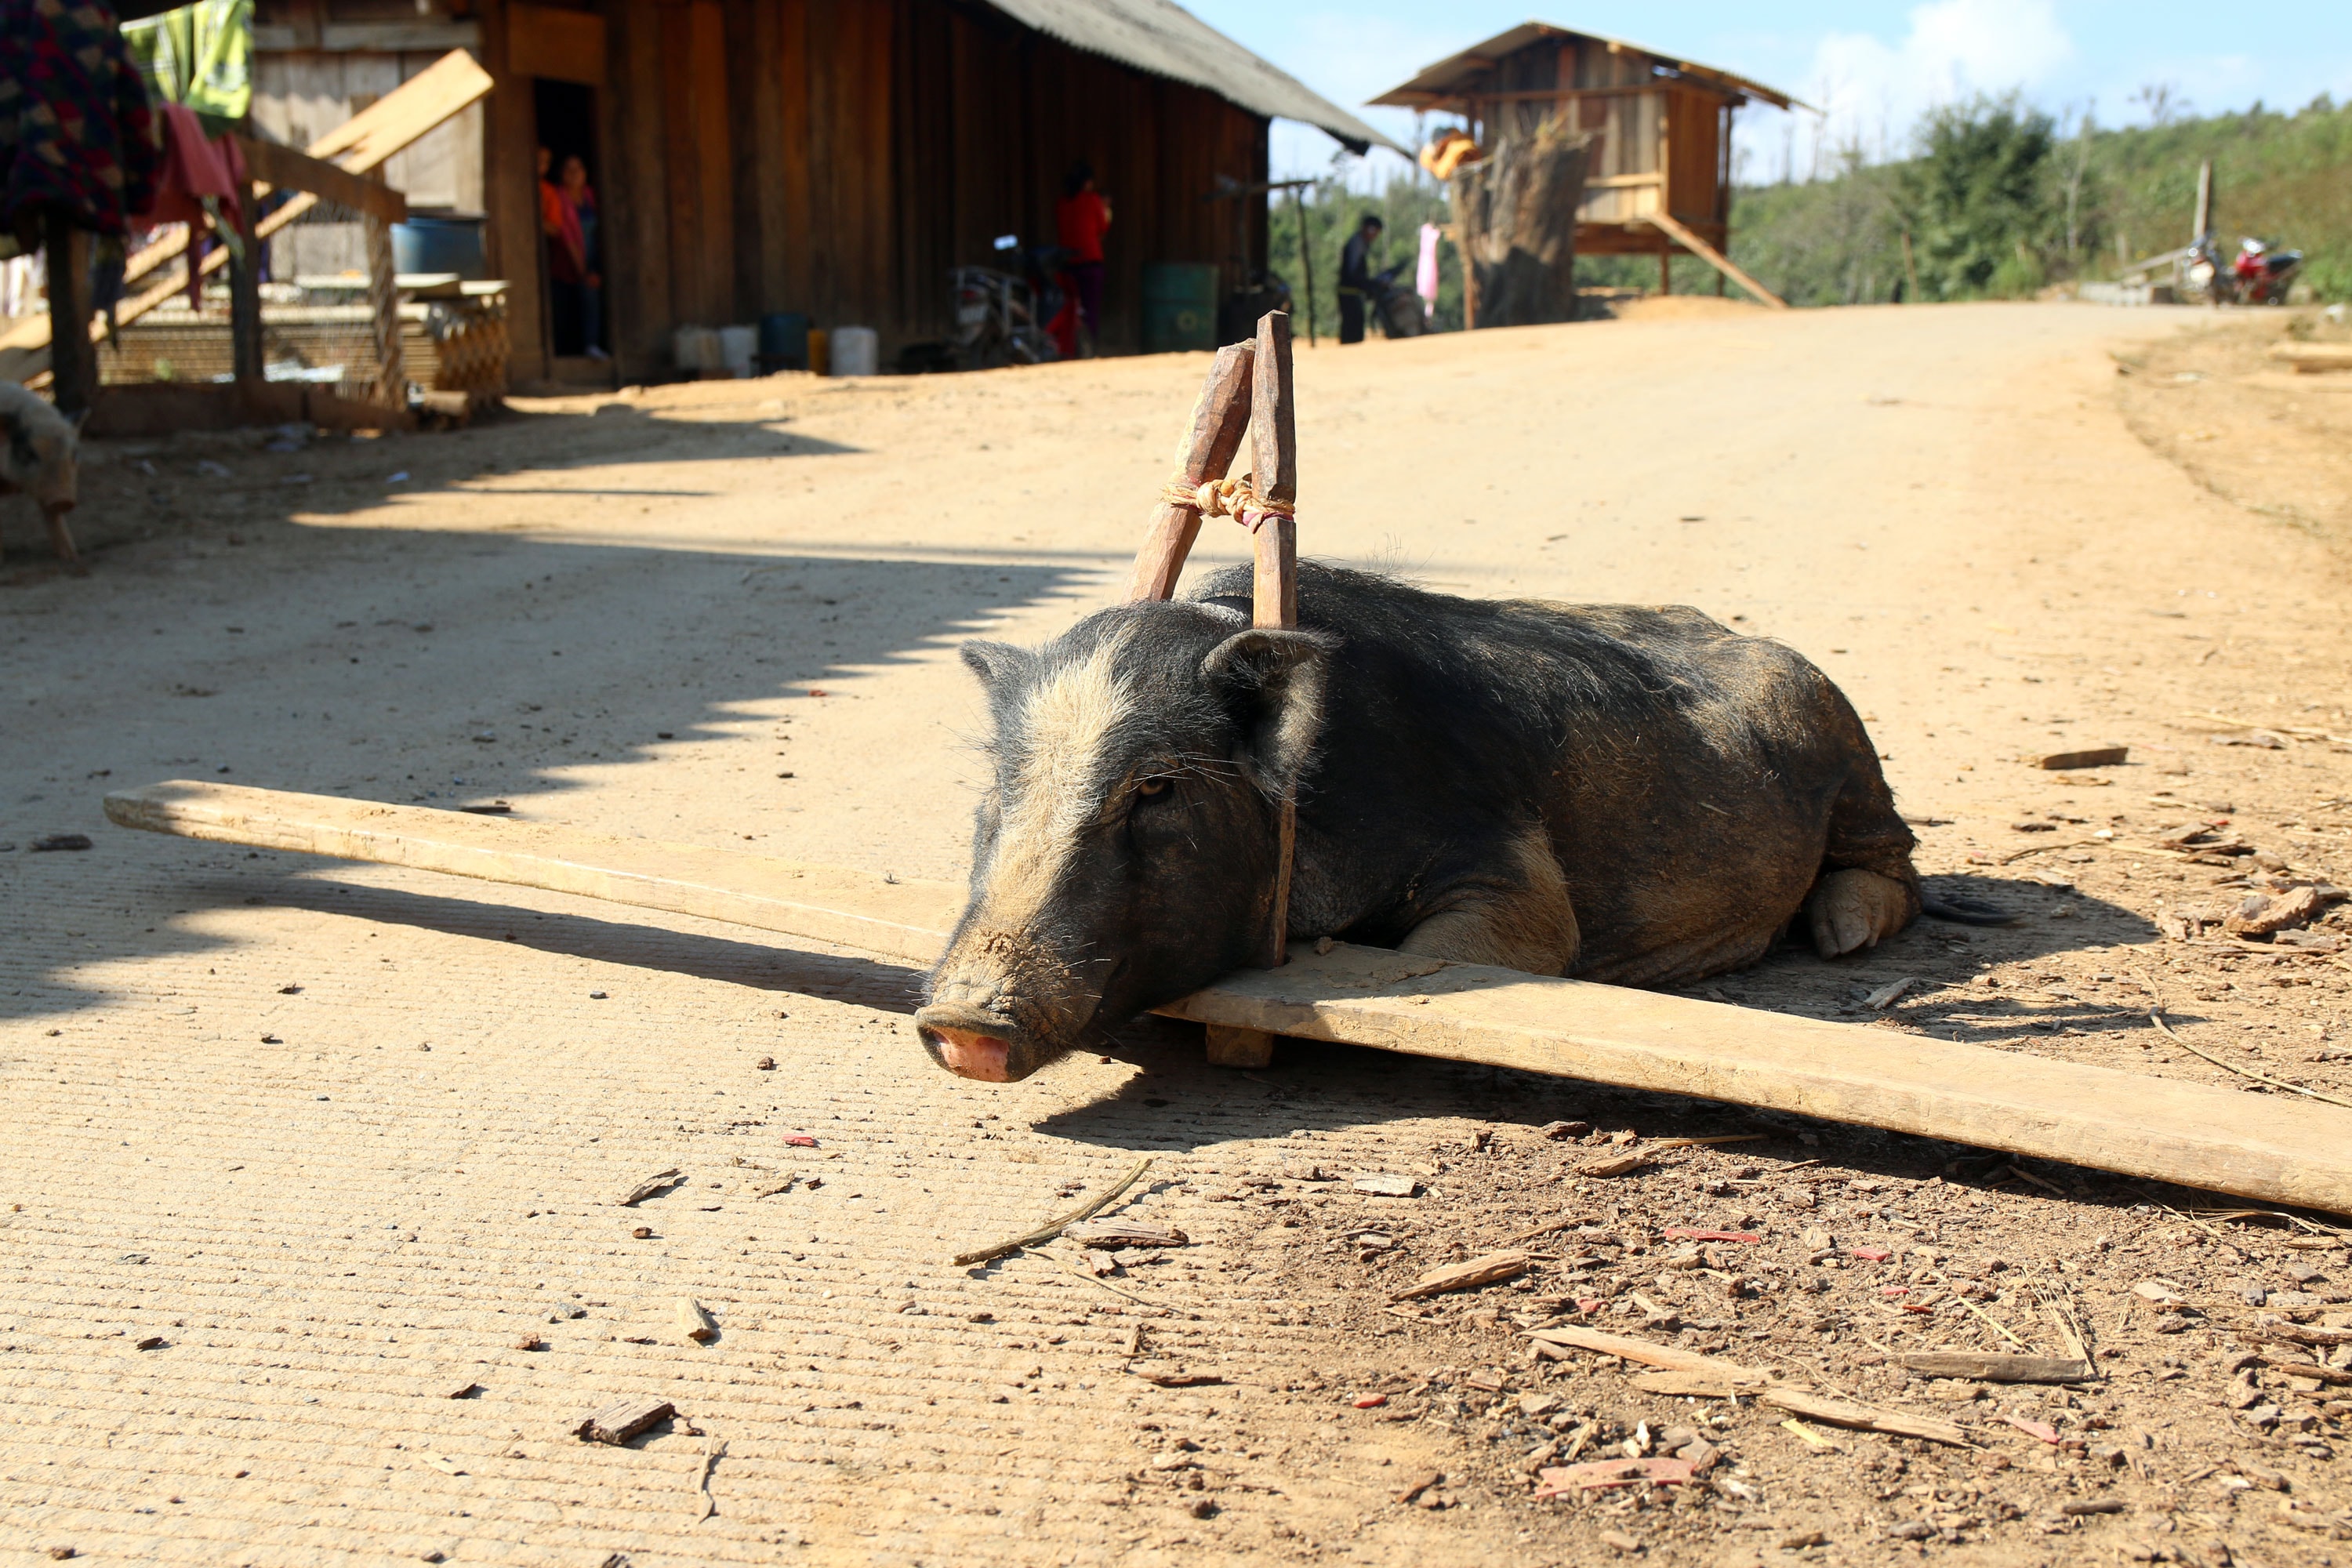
[[76, 131]]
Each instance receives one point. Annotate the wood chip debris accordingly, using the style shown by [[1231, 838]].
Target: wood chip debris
[[1118, 1233], [1486, 1271], [1988, 1368], [660, 1182], [1052, 1227], [1887, 994], [1561, 1481], [624, 1419], [694, 1322], [705, 1505], [1623, 1165], [2092, 757], [1708, 1376], [1381, 1184]]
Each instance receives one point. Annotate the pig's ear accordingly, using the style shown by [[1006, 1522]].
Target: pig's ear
[[1272, 682], [997, 663]]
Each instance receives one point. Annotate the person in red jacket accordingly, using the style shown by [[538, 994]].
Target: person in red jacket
[[1083, 216]]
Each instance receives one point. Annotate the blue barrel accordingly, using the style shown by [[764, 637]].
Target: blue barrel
[[1179, 306], [783, 341], [440, 242]]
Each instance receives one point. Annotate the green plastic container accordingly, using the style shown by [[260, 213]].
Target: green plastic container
[[1179, 306]]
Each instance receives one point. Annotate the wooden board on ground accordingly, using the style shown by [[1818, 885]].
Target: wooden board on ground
[[2159, 1129]]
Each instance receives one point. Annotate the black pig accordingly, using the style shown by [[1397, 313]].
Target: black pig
[[1616, 793]]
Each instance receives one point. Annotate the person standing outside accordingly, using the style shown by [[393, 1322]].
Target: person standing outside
[[1083, 218], [1356, 277]]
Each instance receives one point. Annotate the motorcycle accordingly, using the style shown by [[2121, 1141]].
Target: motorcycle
[[2262, 274], [1004, 316], [1398, 311], [2256, 276]]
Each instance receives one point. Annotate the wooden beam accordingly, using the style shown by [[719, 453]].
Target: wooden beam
[[2274, 1149], [1681, 235], [283, 167], [1211, 438]]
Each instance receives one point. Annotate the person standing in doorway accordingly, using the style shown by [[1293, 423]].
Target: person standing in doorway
[[580, 197], [1356, 277], [567, 260], [1083, 216]]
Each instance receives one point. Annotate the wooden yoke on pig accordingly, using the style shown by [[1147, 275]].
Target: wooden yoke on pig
[[1249, 387]]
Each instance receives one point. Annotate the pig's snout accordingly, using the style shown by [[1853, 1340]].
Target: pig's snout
[[970, 1042]]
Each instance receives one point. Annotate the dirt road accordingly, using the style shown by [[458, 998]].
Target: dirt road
[[337, 1140]]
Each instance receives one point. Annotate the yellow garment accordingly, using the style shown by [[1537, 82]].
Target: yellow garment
[[1448, 153]]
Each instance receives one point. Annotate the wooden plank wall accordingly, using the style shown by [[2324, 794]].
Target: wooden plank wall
[[838, 157], [1695, 121]]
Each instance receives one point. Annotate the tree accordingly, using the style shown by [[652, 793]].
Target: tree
[[1978, 200]]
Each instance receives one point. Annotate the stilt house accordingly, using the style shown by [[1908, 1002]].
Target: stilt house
[[1662, 126], [833, 157]]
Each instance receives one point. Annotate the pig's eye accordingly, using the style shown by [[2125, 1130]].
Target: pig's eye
[[1148, 787]]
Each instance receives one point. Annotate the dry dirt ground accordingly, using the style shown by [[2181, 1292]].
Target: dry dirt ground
[[335, 1141]]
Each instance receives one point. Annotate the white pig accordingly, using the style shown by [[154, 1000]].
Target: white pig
[[39, 455]]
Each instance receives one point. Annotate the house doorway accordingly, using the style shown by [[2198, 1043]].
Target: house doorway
[[570, 221]]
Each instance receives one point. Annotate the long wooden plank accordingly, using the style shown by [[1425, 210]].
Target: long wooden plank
[[2270, 1148], [1681, 235]]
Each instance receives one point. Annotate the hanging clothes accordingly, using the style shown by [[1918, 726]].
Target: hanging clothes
[[199, 55], [76, 134], [1425, 276], [201, 184]]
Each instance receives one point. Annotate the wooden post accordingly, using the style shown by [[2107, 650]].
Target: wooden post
[[2204, 200], [1665, 269], [73, 358], [1219, 417], [1674, 230], [245, 295], [1306, 260], [1274, 595], [383, 300]]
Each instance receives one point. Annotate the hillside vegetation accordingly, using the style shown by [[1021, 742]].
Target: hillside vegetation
[[2000, 200]]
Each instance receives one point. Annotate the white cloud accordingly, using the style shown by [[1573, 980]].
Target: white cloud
[[1871, 92]]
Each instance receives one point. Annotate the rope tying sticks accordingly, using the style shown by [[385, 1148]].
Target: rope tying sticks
[[1227, 498]]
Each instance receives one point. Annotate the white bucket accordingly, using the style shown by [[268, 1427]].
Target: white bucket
[[694, 348], [736, 346], [857, 351]]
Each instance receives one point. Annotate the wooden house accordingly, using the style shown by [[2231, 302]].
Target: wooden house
[[1662, 129], [831, 157]]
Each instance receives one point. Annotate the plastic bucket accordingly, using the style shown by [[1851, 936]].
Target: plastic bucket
[[439, 242], [1179, 306], [735, 348], [857, 351], [783, 341], [696, 348]]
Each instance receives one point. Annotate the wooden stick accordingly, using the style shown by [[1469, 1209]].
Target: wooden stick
[[1053, 1227], [2293, 1152], [1273, 592], [1681, 235], [1219, 417]]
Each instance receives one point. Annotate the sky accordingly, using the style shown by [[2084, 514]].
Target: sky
[[1870, 69]]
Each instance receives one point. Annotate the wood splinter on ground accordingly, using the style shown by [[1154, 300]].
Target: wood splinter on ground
[[624, 1419], [694, 1322], [660, 1182], [1488, 1270]]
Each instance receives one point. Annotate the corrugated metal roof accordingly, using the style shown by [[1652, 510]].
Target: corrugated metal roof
[[1449, 77], [1162, 37]]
